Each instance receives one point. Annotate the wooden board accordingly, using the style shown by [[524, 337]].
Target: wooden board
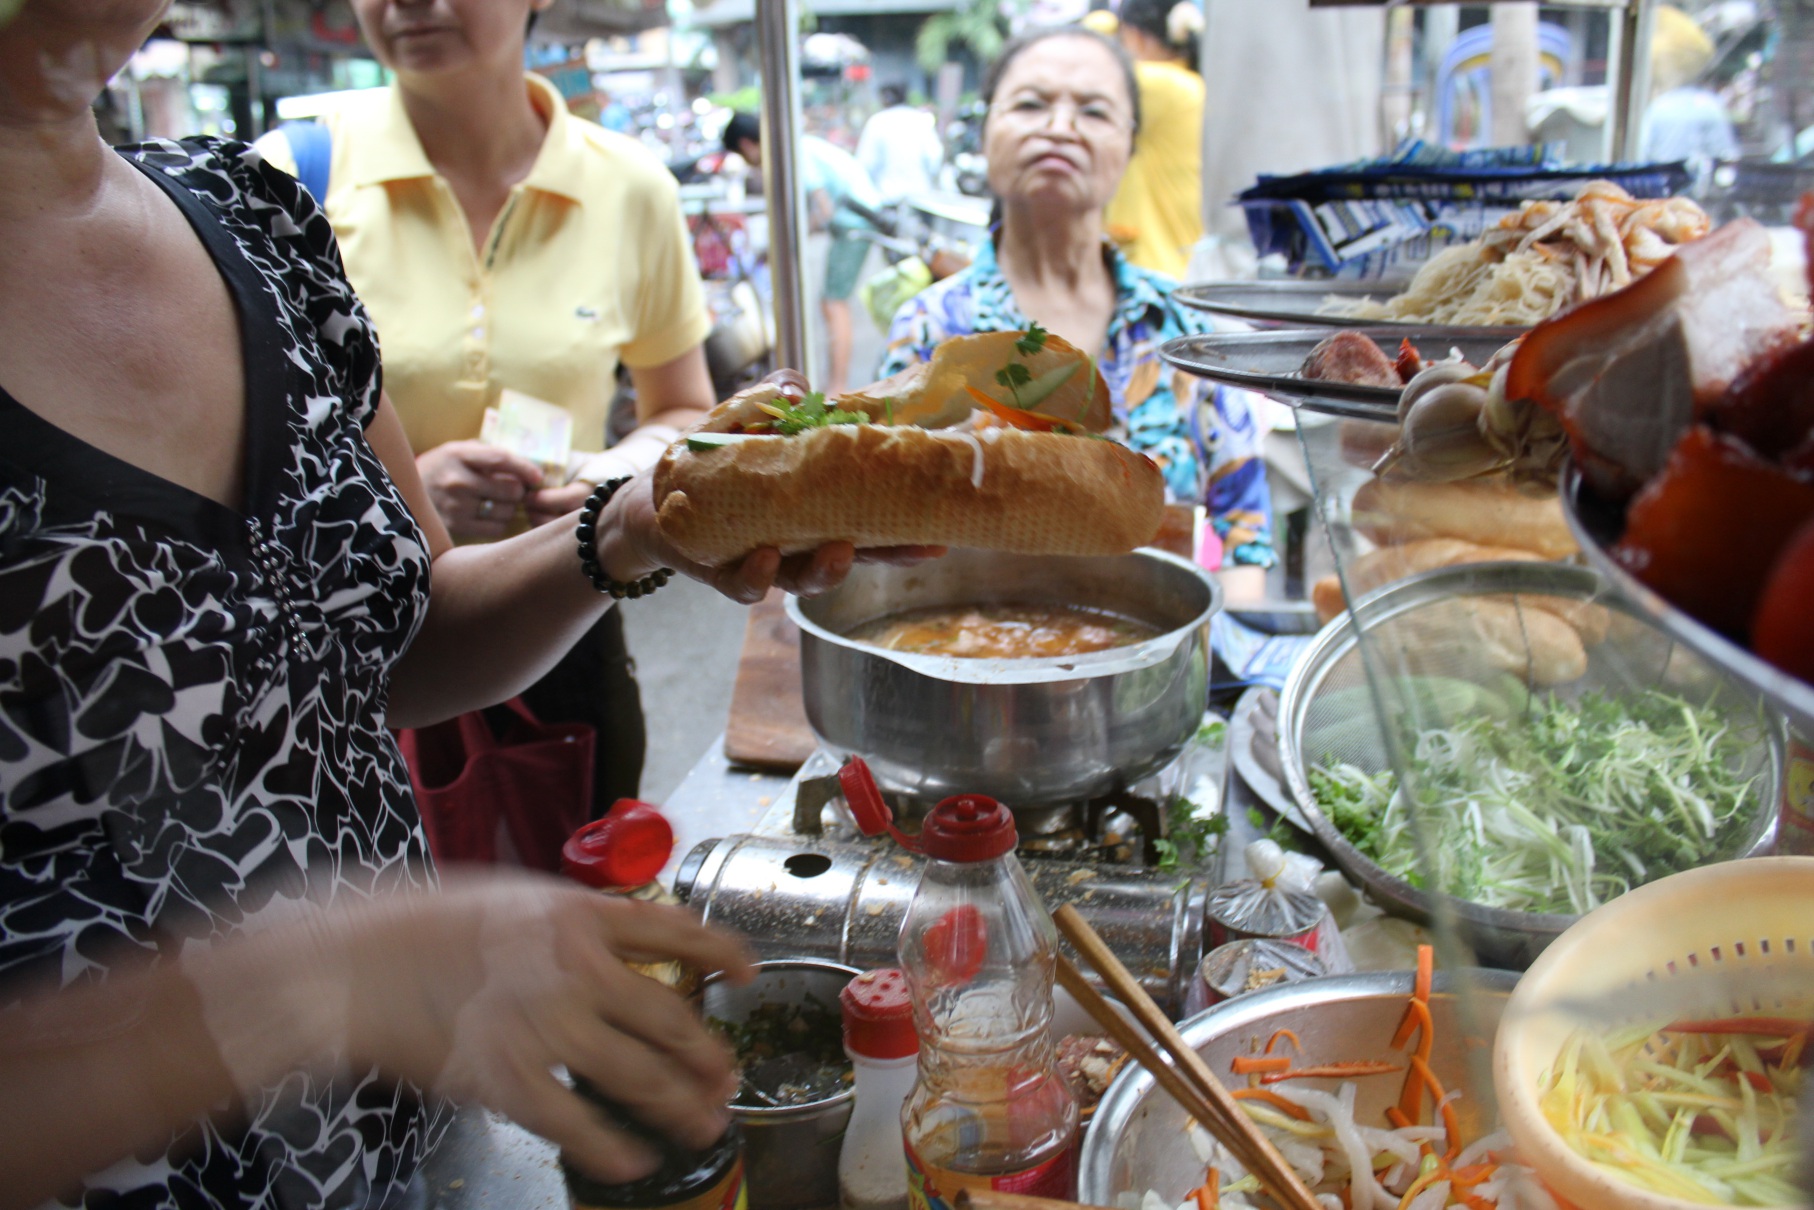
[[768, 727]]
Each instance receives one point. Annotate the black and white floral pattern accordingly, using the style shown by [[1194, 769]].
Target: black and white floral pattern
[[192, 697]]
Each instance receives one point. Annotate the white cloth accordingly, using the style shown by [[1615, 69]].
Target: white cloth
[[901, 152]]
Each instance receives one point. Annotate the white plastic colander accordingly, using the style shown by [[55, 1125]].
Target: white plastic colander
[[1735, 938]]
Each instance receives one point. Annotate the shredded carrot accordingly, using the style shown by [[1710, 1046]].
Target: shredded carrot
[[1284, 1033], [1332, 1071], [1208, 1196], [1421, 1067], [1397, 1117], [1426, 968], [1288, 1108], [1416, 1013], [1247, 1065], [1768, 1027], [1020, 418]]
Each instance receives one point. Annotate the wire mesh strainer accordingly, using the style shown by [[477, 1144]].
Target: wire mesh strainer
[[1733, 939], [1439, 671]]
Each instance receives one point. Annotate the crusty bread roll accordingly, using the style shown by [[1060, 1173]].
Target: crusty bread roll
[[886, 485], [962, 480], [1464, 636], [1487, 512], [1378, 568]]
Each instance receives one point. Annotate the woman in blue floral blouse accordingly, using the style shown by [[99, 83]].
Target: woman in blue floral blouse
[[1059, 131]]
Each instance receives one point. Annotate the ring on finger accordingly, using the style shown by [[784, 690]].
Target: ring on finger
[[485, 507]]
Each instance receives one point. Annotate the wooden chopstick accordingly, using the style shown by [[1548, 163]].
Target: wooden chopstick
[[1272, 1170], [1140, 1051], [994, 1199]]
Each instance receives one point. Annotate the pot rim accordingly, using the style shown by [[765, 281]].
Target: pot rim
[[776, 1115], [1039, 669]]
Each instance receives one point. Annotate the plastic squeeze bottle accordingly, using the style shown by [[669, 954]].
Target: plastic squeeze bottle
[[989, 1109], [884, 1054]]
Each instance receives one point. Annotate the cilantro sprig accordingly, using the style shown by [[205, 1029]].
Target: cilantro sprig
[[811, 412]]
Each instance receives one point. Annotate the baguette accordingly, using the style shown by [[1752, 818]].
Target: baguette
[[982, 473], [1486, 512]]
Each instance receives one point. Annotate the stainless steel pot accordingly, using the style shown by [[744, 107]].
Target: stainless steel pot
[[790, 1155], [1028, 732]]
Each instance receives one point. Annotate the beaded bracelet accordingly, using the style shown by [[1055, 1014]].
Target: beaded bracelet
[[587, 533]]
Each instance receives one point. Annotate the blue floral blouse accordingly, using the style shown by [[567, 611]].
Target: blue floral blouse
[[1202, 436]]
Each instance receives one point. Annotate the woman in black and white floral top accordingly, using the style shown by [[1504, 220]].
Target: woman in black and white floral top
[[215, 569]]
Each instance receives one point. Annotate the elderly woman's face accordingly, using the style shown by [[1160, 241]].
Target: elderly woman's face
[[437, 35], [1061, 126]]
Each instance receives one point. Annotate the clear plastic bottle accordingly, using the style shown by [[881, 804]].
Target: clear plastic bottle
[[989, 1110]]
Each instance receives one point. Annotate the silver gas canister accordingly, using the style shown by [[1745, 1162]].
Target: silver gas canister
[[844, 902]]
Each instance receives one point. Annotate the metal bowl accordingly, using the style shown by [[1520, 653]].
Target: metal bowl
[[1029, 732], [1137, 1140], [1597, 525], [1637, 653], [790, 1153]]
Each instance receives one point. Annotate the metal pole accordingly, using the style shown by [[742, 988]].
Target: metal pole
[[1631, 92], [778, 50]]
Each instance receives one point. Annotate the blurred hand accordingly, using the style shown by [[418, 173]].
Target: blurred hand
[[552, 503], [477, 991], [476, 487]]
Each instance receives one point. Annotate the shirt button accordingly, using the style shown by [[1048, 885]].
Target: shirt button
[[478, 310], [478, 335]]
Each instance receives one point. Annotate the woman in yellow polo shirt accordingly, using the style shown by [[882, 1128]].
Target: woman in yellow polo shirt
[[1156, 216], [501, 243]]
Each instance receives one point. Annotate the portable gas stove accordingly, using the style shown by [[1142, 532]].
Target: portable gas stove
[[1121, 827]]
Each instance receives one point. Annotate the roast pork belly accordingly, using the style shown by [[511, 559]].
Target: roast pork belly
[[1627, 373], [1353, 358]]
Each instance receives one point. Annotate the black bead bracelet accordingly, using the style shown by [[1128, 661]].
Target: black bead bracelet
[[587, 533]]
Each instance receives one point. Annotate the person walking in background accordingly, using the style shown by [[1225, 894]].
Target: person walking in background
[[1157, 214], [1685, 120], [1062, 119], [900, 148], [499, 243], [841, 199]]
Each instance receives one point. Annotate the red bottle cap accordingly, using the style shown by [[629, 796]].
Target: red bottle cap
[[968, 828], [625, 849], [878, 1015], [864, 797]]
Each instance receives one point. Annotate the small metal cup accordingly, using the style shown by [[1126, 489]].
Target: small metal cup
[[790, 1155]]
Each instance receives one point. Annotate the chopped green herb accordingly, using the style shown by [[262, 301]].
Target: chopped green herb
[[1583, 802], [810, 413], [1032, 342], [790, 1054]]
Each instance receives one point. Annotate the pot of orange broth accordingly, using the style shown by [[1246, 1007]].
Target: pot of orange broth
[[1076, 675]]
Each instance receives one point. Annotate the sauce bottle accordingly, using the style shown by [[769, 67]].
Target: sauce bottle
[[989, 1109], [623, 854], [884, 1056]]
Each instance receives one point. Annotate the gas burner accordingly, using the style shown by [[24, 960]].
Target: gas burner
[[1118, 828]]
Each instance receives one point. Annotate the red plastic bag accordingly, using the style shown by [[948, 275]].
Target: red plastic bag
[[500, 786]]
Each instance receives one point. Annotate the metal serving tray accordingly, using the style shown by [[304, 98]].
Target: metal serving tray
[[1297, 303], [1270, 363]]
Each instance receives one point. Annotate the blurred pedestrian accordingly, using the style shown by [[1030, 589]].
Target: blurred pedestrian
[[840, 199], [900, 148], [1157, 214]]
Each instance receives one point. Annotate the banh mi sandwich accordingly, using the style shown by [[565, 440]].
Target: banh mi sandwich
[[993, 444]]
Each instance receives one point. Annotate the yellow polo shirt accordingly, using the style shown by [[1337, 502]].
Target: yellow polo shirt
[[588, 263], [1156, 216]]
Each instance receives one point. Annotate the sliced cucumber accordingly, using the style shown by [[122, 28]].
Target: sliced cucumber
[[701, 442], [1042, 387]]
